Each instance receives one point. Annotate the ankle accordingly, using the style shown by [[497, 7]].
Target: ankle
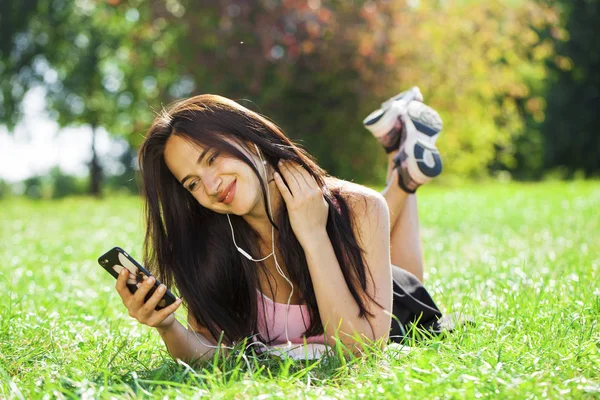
[[390, 169], [392, 184]]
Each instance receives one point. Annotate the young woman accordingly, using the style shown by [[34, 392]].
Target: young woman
[[262, 243]]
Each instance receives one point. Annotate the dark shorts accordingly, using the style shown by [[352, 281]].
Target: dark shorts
[[416, 316]]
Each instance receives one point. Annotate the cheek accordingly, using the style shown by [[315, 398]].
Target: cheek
[[201, 198], [251, 184]]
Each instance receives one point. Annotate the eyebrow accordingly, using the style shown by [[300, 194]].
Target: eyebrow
[[198, 161]]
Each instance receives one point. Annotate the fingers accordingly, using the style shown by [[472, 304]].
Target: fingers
[[298, 179], [308, 178], [138, 308], [143, 289], [121, 285], [290, 177], [160, 316], [283, 189], [153, 301]]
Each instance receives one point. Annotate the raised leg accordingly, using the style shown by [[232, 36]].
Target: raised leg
[[405, 239]]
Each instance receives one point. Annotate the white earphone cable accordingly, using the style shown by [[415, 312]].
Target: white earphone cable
[[277, 266], [249, 257], [244, 253]]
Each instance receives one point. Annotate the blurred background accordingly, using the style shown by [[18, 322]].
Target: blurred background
[[516, 82]]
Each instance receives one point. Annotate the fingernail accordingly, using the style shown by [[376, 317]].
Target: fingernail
[[178, 301], [150, 281], [161, 288], [280, 162]]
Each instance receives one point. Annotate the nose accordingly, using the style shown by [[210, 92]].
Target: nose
[[213, 184]]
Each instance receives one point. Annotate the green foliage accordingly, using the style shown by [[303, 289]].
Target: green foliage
[[316, 68], [571, 128], [65, 185], [525, 265], [126, 180], [5, 189], [17, 51], [95, 61], [36, 187], [476, 63]]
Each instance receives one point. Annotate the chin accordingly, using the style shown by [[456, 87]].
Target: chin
[[243, 207]]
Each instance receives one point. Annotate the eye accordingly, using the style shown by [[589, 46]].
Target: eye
[[213, 157], [193, 185]]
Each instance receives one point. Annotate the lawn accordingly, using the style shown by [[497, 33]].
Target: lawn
[[523, 259]]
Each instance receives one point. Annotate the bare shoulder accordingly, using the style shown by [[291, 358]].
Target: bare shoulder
[[362, 200], [369, 212]]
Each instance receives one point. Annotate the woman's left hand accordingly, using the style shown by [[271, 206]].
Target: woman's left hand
[[304, 199]]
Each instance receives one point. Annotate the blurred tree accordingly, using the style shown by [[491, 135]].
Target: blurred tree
[[34, 187], [95, 59], [5, 189], [125, 179], [64, 185], [571, 129], [17, 52], [314, 67], [475, 63]]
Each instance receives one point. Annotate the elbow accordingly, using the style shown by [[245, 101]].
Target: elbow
[[359, 344]]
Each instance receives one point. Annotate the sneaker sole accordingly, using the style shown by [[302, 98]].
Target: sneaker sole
[[427, 121], [424, 161], [381, 130]]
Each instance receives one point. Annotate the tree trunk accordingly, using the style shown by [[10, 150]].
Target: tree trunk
[[95, 169]]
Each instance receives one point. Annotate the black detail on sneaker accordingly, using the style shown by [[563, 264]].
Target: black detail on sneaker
[[391, 141], [392, 147], [405, 181], [420, 152], [375, 118], [426, 119], [428, 130]]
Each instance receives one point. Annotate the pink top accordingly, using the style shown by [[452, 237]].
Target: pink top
[[274, 315], [298, 318]]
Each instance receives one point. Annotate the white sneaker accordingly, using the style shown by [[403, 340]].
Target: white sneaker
[[404, 123], [384, 124], [418, 160]]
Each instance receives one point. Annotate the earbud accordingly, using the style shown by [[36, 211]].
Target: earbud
[[259, 156]]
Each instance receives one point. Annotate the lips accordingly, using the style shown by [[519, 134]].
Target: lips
[[226, 196]]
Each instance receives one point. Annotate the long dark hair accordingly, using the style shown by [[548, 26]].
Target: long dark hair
[[190, 246]]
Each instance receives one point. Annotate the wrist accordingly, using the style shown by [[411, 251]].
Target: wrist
[[317, 237], [168, 324]]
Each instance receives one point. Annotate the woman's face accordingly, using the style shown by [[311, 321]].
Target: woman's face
[[217, 181]]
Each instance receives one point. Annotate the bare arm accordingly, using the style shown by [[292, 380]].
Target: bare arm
[[187, 345], [337, 307], [308, 211]]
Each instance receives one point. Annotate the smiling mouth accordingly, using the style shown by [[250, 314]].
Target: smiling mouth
[[227, 194]]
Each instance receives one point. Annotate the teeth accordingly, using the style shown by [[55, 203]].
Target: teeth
[[227, 195]]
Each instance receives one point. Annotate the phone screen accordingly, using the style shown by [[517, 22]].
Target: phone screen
[[116, 259]]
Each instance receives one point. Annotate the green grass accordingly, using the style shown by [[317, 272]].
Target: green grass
[[522, 259]]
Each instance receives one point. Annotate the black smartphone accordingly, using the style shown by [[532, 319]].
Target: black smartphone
[[116, 259]]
